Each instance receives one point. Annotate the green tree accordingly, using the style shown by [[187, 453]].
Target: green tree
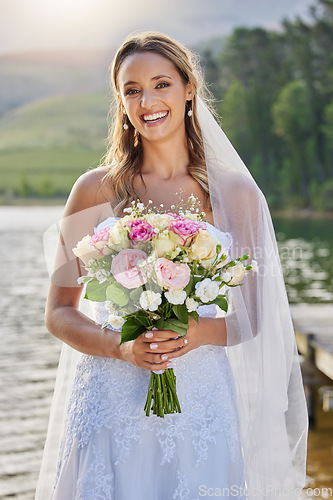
[[293, 122], [233, 112]]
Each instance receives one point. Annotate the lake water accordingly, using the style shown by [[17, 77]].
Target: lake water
[[29, 354]]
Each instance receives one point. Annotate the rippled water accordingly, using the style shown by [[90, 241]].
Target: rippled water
[[306, 252], [29, 354]]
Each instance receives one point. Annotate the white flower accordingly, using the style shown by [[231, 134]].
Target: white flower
[[207, 290], [81, 279], [115, 321], [191, 304], [150, 300], [175, 296], [226, 277], [254, 265]]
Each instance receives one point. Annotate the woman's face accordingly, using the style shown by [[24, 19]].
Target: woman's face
[[153, 95]]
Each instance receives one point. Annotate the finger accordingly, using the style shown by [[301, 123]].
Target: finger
[[179, 352], [156, 366], [166, 346], [150, 336], [156, 358]]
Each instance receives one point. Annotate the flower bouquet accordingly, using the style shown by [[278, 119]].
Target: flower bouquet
[[153, 270]]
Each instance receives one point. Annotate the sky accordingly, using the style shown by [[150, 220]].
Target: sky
[[27, 25]]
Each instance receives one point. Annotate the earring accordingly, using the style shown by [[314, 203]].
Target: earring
[[190, 112], [125, 126]]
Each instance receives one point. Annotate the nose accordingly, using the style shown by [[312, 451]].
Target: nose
[[147, 99]]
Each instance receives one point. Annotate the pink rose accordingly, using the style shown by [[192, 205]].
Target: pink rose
[[141, 230], [125, 270], [185, 229], [171, 275], [100, 240]]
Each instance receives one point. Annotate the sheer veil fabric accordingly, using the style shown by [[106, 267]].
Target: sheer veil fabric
[[260, 338]]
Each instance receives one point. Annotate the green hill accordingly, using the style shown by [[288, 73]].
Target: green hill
[[46, 145], [61, 121]]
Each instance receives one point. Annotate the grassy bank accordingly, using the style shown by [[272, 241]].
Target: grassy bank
[[38, 175]]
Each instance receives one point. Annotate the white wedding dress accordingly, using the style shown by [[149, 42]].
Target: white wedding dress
[[112, 451]]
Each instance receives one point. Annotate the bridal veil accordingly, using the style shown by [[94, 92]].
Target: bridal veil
[[261, 343]]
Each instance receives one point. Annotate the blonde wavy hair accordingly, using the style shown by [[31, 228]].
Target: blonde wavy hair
[[125, 151]]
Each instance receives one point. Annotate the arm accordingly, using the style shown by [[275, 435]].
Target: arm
[[86, 206]]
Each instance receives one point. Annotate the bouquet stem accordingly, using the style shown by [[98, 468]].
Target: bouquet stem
[[162, 397]]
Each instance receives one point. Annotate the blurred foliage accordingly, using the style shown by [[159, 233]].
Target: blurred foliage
[[275, 95]]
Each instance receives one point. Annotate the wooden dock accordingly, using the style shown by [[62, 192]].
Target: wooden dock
[[313, 325]]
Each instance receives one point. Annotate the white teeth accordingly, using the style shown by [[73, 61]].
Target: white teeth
[[155, 116]]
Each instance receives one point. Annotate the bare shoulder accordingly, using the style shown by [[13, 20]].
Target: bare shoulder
[[88, 191]]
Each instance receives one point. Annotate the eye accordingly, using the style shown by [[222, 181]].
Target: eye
[[131, 91], [163, 85]]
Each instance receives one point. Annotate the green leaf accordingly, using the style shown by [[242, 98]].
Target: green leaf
[[222, 303], [194, 315], [181, 312], [190, 286], [130, 331], [96, 291], [243, 257], [172, 324], [135, 294], [117, 294]]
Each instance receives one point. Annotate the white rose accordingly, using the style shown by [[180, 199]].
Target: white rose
[[116, 322], [226, 277], [207, 290], [150, 300], [254, 265], [175, 296], [191, 304], [237, 272]]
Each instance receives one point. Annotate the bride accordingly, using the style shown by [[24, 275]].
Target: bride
[[242, 430]]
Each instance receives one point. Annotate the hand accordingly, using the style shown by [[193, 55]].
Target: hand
[[152, 349]]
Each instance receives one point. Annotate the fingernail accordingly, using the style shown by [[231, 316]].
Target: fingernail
[[169, 364], [153, 346], [154, 328], [149, 335], [164, 357]]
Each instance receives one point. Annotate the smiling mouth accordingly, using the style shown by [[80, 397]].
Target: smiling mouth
[[155, 117]]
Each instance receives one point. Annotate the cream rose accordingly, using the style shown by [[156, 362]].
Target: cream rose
[[237, 273], [163, 244], [160, 221], [203, 246], [118, 237]]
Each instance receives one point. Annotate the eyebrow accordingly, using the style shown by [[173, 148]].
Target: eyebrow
[[130, 82]]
